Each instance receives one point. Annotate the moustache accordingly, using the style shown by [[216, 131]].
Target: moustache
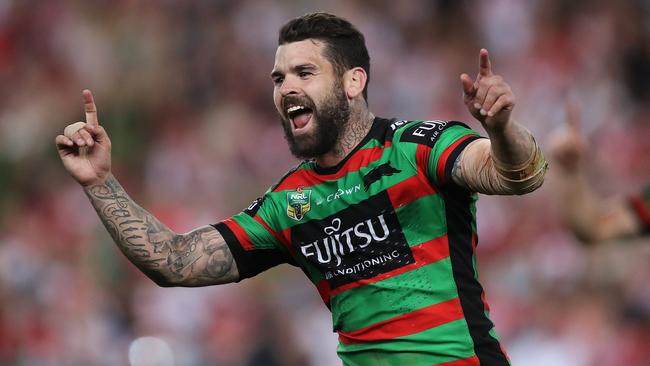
[[293, 100]]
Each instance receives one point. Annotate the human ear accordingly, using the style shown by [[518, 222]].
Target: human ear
[[354, 81]]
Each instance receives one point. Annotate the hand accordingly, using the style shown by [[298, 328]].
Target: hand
[[84, 147], [488, 98], [567, 142]]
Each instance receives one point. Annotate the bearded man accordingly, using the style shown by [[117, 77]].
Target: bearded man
[[380, 215]]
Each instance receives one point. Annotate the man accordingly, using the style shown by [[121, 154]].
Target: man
[[380, 216], [590, 218]]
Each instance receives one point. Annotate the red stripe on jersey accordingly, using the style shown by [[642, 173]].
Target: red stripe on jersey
[[266, 226], [305, 177], [423, 254], [324, 290], [285, 238], [470, 361], [240, 234], [442, 161], [486, 305], [259, 219], [407, 324], [409, 190], [474, 242], [422, 154], [641, 210], [299, 179]]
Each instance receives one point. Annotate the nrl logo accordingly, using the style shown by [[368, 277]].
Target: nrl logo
[[298, 203]]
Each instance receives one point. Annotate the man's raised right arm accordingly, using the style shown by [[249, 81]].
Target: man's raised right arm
[[198, 258]]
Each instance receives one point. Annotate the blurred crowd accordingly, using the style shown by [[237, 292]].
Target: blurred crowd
[[183, 89]]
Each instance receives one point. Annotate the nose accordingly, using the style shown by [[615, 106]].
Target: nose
[[288, 87]]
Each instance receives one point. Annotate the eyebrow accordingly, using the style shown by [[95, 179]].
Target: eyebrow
[[296, 69]]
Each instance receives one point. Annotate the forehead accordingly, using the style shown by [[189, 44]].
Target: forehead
[[308, 51]]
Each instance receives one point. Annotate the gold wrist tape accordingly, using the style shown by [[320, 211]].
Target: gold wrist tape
[[520, 172]]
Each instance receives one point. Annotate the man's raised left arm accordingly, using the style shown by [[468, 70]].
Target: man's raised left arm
[[510, 161]]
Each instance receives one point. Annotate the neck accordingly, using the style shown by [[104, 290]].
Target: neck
[[355, 130]]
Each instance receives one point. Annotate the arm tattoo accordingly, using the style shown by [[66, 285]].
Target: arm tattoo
[[457, 173], [198, 258]]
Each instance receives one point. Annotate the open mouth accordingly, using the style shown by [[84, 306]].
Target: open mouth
[[299, 115]]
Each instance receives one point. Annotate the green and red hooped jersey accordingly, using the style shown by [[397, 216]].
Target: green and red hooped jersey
[[641, 206], [389, 242]]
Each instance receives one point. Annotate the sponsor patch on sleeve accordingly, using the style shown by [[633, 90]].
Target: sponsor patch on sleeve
[[252, 209], [427, 132]]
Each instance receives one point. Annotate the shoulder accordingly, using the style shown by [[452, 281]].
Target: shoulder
[[288, 178]]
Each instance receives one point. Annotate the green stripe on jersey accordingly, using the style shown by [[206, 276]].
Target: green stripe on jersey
[[448, 137], [423, 219], [261, 238], [452, 342], [372, 303], [472, 209]]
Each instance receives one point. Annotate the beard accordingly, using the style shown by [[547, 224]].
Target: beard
[[330, 119]]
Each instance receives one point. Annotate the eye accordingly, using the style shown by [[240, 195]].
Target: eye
[[304, 74], [277, 80]]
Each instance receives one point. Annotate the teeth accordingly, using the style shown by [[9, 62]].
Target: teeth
[[295, 108]]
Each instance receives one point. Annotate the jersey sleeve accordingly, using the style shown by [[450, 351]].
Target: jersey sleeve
[[641, 206], [254, 244], [438, 145]]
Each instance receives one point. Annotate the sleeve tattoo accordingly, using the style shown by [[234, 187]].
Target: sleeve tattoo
[[198, 258]]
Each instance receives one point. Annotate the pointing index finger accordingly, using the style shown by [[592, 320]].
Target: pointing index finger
[[89, 108], [484, 66]]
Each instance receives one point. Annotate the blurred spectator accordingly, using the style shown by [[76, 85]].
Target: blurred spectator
[[592, 218]]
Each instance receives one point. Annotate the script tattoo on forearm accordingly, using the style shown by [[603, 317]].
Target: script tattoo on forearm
[[200, 257]]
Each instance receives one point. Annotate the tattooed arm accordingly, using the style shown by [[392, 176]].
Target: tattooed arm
[[198, 258]]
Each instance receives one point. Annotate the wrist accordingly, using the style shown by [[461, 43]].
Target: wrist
[[499, 129], [532, 165], [100, 180]]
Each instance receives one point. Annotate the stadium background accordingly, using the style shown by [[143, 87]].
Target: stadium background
[[183, 88]]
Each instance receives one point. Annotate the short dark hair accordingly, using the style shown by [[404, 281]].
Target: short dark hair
[[345, 46]]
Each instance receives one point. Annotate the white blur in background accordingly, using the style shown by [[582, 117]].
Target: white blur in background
[[150, 351]]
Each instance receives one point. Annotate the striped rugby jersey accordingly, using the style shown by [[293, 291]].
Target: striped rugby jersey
[[389, 242]]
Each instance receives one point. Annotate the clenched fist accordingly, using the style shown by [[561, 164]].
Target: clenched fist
[[488, 98], [84, 147]]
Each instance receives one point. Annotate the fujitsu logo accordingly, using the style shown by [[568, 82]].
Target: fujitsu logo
[[434, 128], [341, 242]]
